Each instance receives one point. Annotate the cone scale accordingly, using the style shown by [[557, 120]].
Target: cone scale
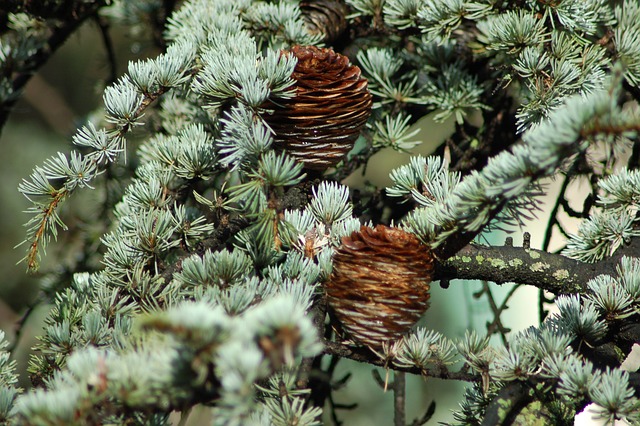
[[320, 124], [327, 18], [379, 287]]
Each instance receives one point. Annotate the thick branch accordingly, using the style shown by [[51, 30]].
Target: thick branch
[[548, 271], [70, 21], [399, 395], [510, 405], [506, 406]]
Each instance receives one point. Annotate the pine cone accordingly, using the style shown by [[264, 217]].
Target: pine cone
[[325, 17], [379, 285], [332, 103]]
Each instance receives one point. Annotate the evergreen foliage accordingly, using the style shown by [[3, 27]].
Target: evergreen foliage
[[209, 281]]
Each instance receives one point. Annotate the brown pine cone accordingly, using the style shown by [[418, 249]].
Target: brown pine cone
[[379, 285], [320, 124], [325, 17]]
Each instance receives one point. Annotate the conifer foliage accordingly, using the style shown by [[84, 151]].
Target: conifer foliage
[[232, 261]]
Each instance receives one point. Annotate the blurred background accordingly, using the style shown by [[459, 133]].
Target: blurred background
[[69, 88], [60, 97]]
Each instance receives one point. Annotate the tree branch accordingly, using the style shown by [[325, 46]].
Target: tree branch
[[71, 19], [551, 272], [103, 25], [399, 394], [506, 406], [509, 406], [362, 354]]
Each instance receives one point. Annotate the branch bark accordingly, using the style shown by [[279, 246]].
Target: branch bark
[[551, 272], [505, 407], [399, 394], [362, 354], [70, 20]]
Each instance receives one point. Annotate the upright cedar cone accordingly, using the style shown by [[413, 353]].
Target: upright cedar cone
[[380, 283], [325, 17], [320, 124]]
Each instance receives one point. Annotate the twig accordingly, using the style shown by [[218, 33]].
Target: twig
[[553, 219], [365, 355], [496, 325], [553, 222], [426, 416], [48, 219], [333, 386], [399, 396], [20, 325], [108, 47], [383, 383]]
